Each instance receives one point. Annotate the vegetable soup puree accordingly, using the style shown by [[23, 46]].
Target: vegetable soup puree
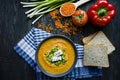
[[56, 55]]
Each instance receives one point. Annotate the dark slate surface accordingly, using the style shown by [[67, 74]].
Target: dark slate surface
[[14, 25]]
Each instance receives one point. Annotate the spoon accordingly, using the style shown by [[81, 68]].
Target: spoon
[[77, 4]]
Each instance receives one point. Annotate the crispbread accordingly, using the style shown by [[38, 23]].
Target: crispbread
[[100, 38], [88, 38], [95, 55]]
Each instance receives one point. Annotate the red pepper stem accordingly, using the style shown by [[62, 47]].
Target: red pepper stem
[[102, 12]]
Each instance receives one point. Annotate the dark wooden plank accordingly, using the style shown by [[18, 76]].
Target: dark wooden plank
[[14, 25]]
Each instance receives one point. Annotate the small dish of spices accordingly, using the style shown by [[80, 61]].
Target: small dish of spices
[[69, 8]]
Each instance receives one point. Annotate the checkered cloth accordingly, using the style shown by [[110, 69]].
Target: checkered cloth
[[26, 48]]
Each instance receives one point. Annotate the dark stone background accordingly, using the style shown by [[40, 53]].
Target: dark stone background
[[14, 25]]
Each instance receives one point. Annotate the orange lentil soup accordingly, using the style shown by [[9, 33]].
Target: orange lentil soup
[[68, 9], [46, 47]]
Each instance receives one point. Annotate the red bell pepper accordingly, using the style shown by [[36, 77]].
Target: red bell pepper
[[101, 13]]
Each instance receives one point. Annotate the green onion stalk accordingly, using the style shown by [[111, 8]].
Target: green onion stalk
[[42, 7]]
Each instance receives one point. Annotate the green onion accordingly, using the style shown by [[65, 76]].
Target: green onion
[[42, 7]]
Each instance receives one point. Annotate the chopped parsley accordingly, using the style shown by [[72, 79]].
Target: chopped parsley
[[57, 62]]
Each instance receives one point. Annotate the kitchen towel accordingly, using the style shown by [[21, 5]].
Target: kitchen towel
[[27, 47]]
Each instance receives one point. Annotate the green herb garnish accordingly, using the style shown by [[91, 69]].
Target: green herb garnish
[[52, 54]]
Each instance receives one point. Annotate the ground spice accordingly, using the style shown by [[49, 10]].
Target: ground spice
[[40, 25], [58, 24], [67, 9], [64, 24], [47, 28], [54, 13]]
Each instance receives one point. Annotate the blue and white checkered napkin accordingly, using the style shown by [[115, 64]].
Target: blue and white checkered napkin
[[26, 48]]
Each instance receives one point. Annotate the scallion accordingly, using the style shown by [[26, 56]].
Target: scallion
[[42, 7]]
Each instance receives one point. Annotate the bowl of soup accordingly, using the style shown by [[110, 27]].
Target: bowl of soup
[[56, 56]]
